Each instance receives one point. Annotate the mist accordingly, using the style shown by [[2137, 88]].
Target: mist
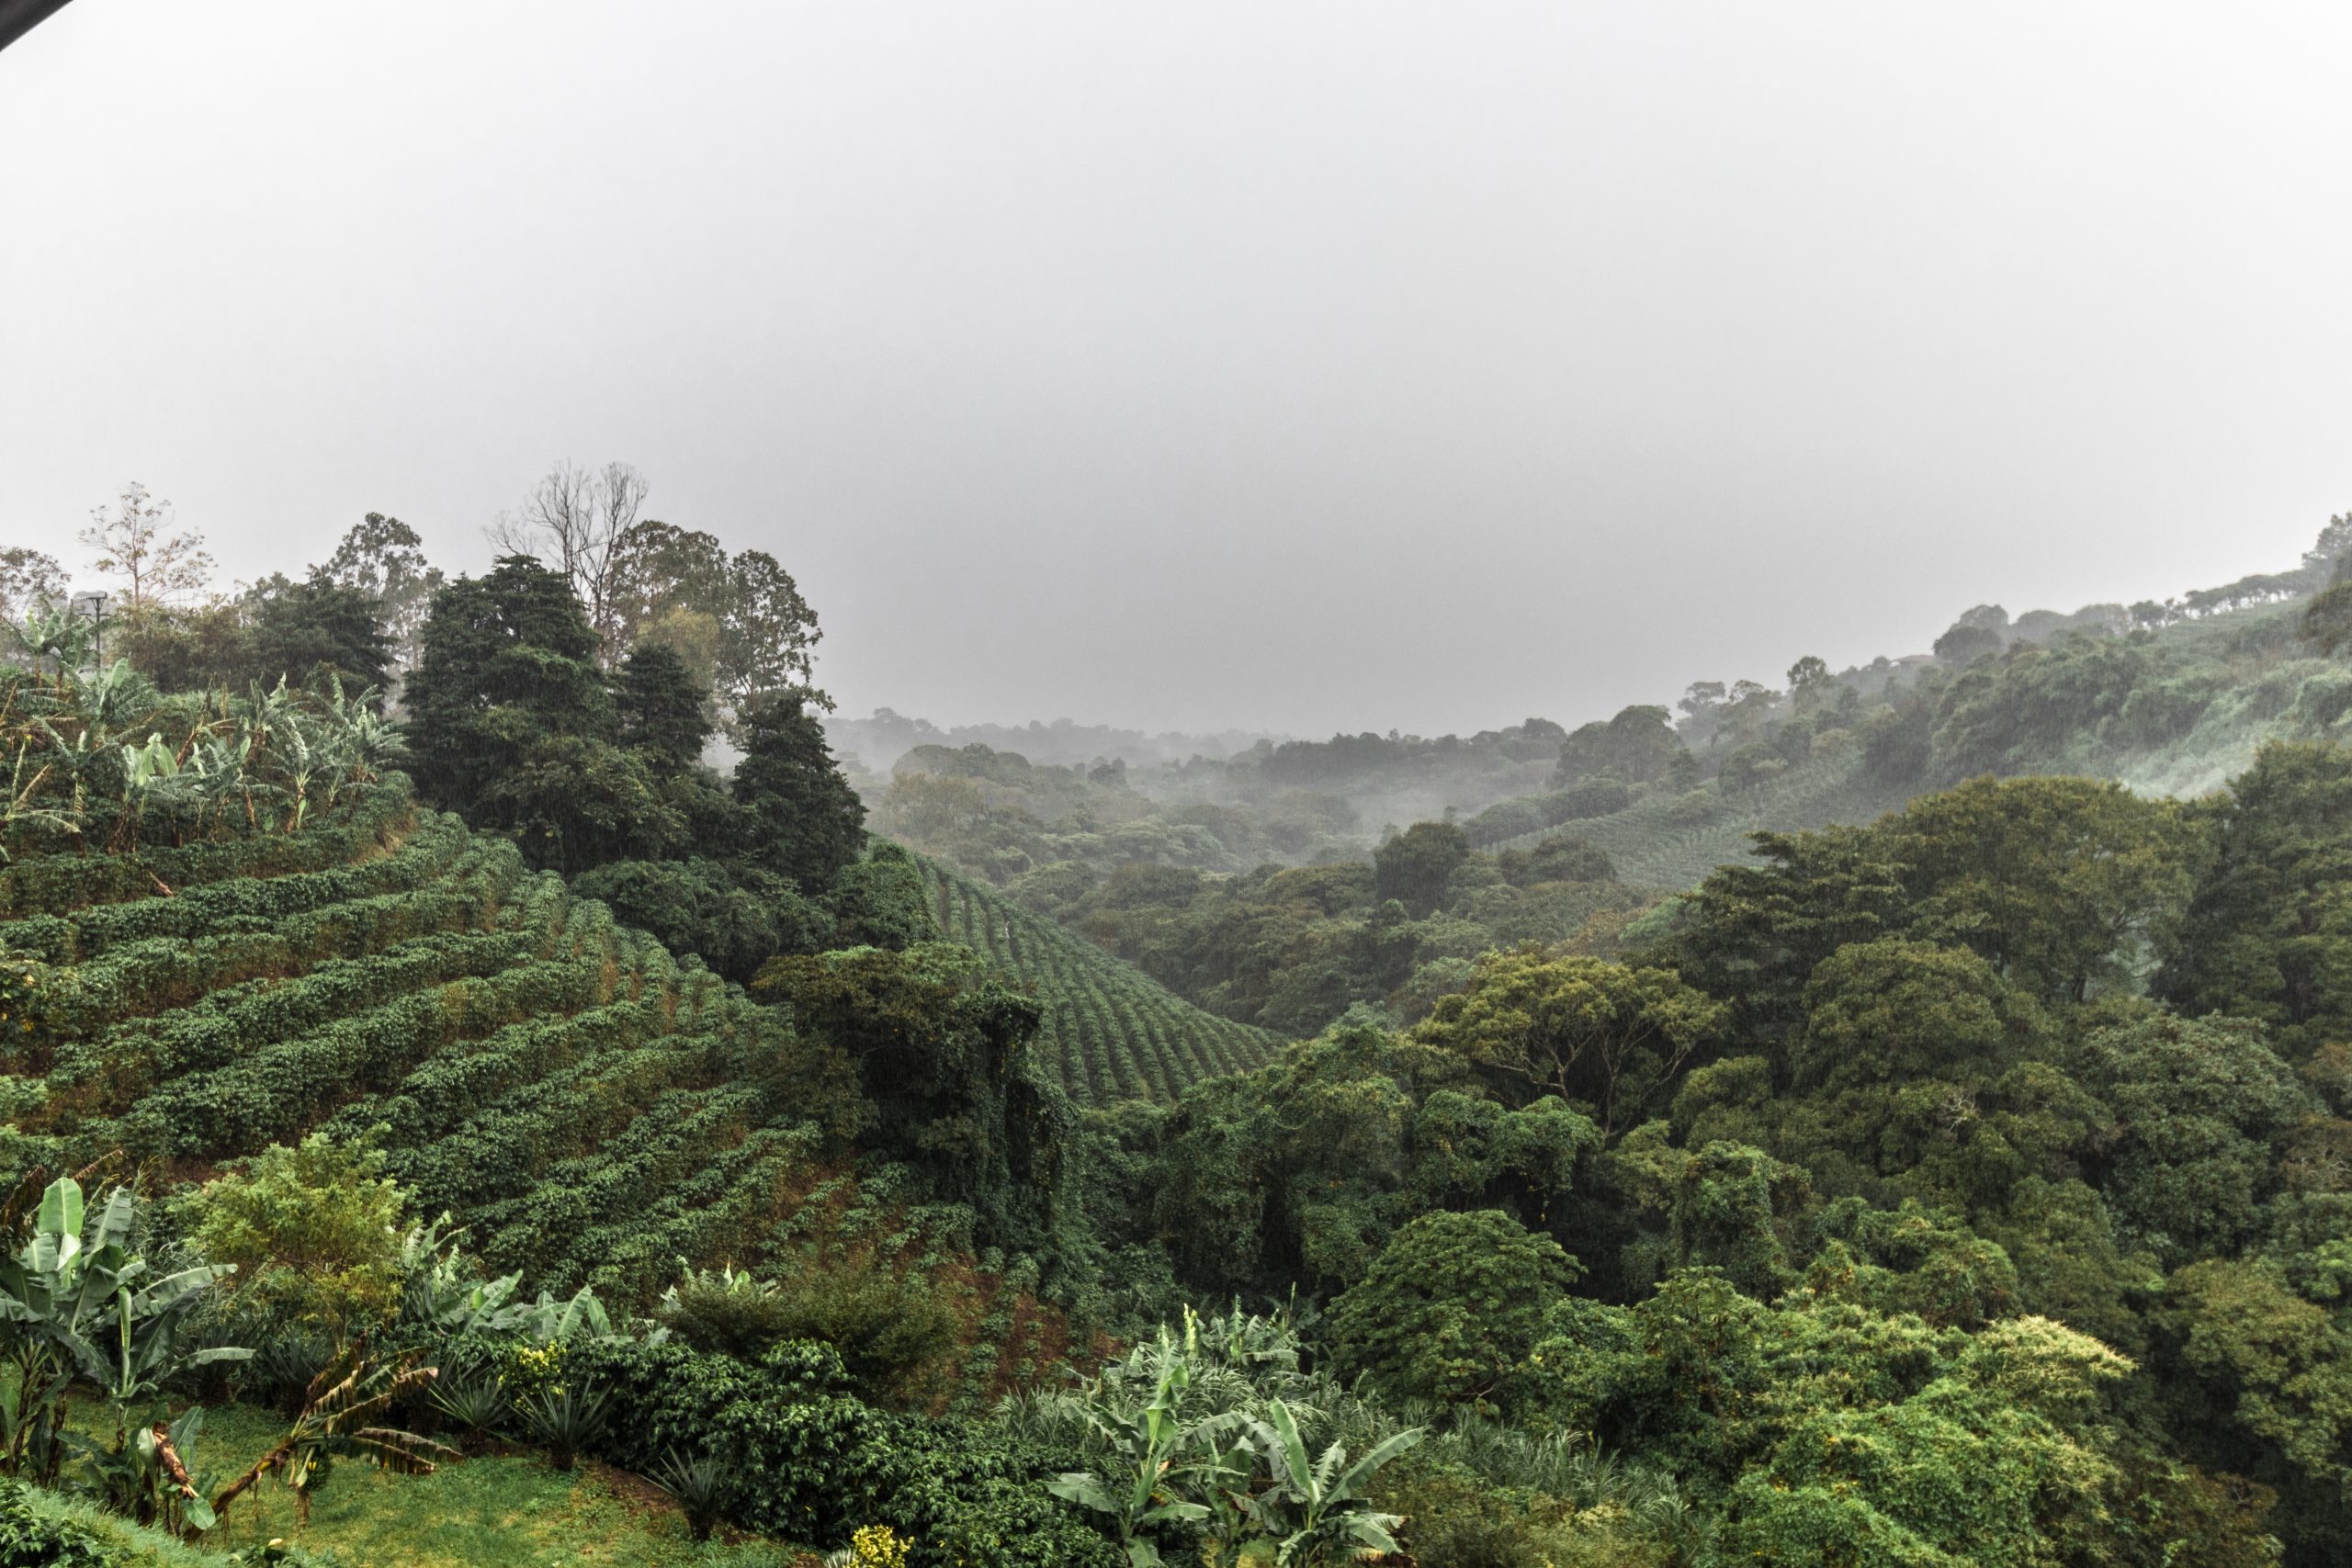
[[1302, 369]]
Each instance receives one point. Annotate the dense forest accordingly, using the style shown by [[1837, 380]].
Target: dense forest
[[1899, 1117]]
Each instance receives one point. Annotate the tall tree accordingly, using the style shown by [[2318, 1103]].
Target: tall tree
[[2268, 933], [575, 519], [662, 709], [508, 663], [663, 570], [311, 633], [156, 563], [1637, 746], [1414, 867], [809, 822], [770, 635], [384, 558]]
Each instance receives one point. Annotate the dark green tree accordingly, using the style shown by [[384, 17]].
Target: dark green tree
[[1413, 867], [940, 1049], [2201, 1107], [880, 900], [1638, 746], [513, 726], [508, 661], [806, 820], [2268, 932], [665, 711], [312, 633]]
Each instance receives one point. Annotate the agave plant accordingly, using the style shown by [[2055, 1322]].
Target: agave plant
[[563, 1420], [701, 1487], [476, 1404]]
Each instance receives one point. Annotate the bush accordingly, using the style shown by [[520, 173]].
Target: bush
[[30, 1539], [893, 1333], [1451, 1308], [815, 1464]]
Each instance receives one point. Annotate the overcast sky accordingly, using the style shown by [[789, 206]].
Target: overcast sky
[[1277, 364]]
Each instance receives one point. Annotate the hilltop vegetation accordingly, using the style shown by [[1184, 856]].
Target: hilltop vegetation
[[1968, 1181]]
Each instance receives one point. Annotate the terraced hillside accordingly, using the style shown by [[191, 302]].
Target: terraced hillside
[[593, 1108], [1651, 848], [1114, 1031]]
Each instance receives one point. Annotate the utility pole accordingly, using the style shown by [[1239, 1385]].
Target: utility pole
[[97, 601]]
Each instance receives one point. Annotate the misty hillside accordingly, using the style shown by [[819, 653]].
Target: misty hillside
[[837, 1160]]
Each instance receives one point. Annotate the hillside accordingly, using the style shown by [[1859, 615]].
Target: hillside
[[593, 1108], [2172, 710], [1113, 1031], [1659, 842]]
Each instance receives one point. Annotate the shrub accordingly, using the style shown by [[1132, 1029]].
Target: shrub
[[890, 1326], [313, 1232], [28, 1539]]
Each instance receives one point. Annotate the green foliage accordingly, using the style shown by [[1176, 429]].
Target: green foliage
[[2201, 1107], [320, 634], [2266, 934], [1413, 867], [508, 667], [889, 1325], [1190, 1437], [1107, 1032], [32, 1540], [1562, 857], [881, 901], [815, 1464], [733, 919], [1637, 747], [662, 710], [1893, 1009], [77, 1304], [313, 1232], [1305, 1169], [1590, 1031], [1452, 1308], [806, 824]]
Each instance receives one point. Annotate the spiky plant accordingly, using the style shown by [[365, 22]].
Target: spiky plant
[[475, 1405], [700, 1486], [563, 1420]]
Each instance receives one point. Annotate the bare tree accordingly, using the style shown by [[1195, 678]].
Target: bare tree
[[137, 544], [573, 522]]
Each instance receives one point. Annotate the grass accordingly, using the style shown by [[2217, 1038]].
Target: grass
[[501, 1509]]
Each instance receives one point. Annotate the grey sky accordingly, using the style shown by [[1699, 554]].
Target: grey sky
[[1301, 366]]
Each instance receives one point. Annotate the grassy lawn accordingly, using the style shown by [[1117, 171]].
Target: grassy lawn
[[502, 1510]]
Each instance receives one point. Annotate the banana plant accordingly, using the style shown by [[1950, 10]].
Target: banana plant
[[1315, 1510], [339, 1418], [56, 635], [148, 1476], [76, 1303], [1154, 1454]]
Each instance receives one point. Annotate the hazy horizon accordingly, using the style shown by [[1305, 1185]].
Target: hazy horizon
[[1316, 369]]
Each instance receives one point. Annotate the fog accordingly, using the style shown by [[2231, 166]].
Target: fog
[[1301, 367]]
